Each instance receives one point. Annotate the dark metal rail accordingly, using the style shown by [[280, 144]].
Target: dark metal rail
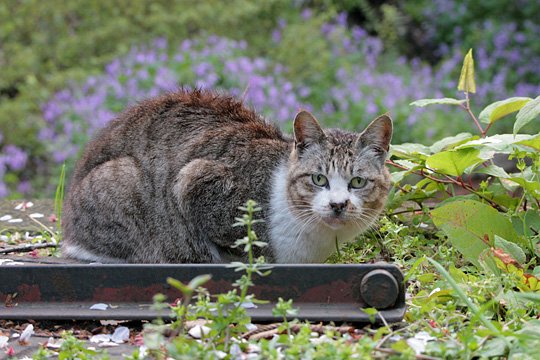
[[321, 292]]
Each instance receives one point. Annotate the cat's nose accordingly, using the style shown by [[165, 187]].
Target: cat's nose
[[339, 208]]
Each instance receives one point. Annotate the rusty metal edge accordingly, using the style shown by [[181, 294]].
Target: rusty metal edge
[[322, 292]]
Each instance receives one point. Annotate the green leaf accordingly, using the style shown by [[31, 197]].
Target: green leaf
[[511, 249], [451, 141], [177, 284], [527, 113], [454, 162], [493, 170], [495, 347], [198, 281], [466, 79], [534, 297], [471, 226], [532, 187], [409, 150], [442, 101], [505, 143], [533, 142], [500, 109]]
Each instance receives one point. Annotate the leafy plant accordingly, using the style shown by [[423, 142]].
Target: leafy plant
[[224, 318], [477, 216]]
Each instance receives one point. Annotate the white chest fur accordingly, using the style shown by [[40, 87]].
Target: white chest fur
[[298, 241]]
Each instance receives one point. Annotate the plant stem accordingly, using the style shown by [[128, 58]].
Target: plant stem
[[452, 181], [467, 108], [249, 269]]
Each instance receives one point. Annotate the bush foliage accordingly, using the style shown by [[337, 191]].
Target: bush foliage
[[345, 68]]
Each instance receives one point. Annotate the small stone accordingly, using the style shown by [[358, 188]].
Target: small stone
[[199, 331]]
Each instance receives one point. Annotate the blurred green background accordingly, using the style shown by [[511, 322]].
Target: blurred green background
[[67, 67]]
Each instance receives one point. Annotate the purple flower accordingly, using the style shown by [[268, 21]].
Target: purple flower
[[341, 19], [276, 36], [24, 187], [15, 157], [3, 190]]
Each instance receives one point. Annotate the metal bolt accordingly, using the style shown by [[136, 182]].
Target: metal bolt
[[379, 289]]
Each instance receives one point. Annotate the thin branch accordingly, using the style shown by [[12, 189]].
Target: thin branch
[[267, 331], [409, 211], [42, 225], [467, 107], [28, 248], [452, 181]]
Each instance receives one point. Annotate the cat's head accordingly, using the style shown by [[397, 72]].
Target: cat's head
[[338, 178]]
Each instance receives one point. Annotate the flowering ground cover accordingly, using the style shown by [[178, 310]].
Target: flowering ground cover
[[356, 81]]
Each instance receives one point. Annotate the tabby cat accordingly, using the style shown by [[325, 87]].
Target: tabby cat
[[162, 183]]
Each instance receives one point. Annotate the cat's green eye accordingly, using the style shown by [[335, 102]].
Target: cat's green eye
[[358, 182], [319, 179]]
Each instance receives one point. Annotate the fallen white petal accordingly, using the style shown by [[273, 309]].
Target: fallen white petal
[[19, 207], [110, 322], [417, 345], [15, 221], [53, 343], [27, 333], [120, 335], [235, 351], [143, 351], [251, 327], [14, 263], [100, 338], [99, 306], [6, 218], [3, 342], [108, 344], [253, 348], [36, 215], [220, 354], [320, 340], [29, 204], [4, 237], [199, 331], [248, 305], [419, 341]]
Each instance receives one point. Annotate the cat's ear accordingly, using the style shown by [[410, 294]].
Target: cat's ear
[[378, 134], [307, 130]]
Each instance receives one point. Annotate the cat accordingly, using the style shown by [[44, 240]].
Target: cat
[[162, 183]]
